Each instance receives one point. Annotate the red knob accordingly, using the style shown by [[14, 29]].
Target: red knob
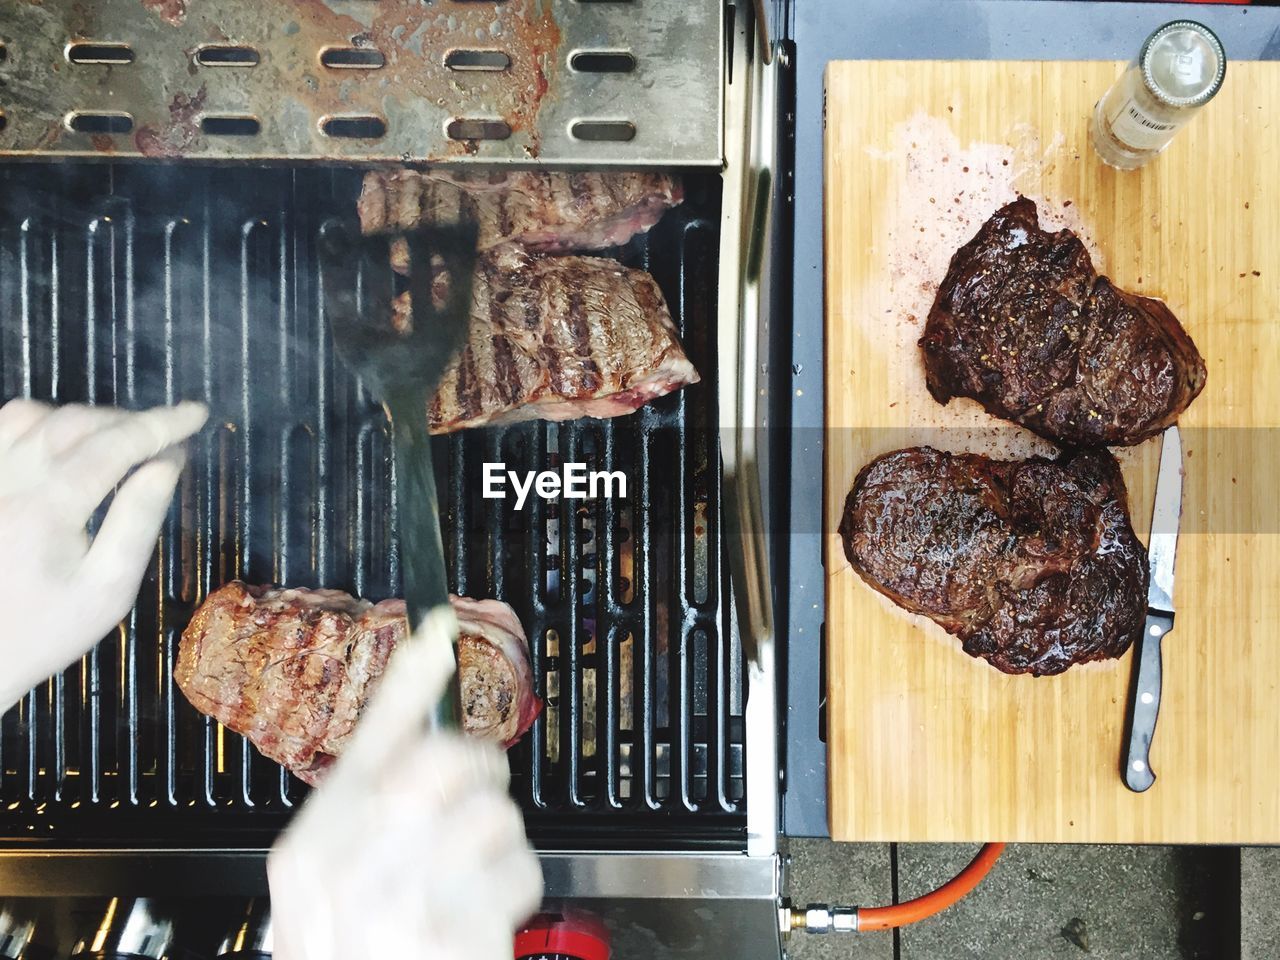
[[573, 936]]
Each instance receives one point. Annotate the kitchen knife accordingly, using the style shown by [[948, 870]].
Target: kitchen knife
[[1144, 694]]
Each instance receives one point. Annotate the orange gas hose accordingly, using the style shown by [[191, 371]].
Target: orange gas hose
[[900, 914]]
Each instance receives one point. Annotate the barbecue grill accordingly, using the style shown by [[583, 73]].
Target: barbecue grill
[[650, 782]]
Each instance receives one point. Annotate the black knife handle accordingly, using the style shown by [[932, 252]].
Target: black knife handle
[[1144, 703]]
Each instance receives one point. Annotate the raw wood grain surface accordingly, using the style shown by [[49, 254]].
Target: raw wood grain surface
[[926, 743]]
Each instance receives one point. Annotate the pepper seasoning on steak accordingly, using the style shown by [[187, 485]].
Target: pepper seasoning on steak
[[1032, 563], [1023, 324]]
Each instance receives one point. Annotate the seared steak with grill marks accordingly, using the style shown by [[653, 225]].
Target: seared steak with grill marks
[[1023, 324], [293, 669], [542, 211], [557, 338], [1031, 563]]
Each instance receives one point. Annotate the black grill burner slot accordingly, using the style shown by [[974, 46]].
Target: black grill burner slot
[[227, 55], [88, 121], [354, 128], [145, 284], [619, 130], [230, 126]]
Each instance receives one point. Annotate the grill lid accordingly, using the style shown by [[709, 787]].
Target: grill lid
[[590, 83]]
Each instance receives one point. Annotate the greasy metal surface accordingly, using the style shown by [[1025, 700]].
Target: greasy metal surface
[[674, 906], [130, 927], [743, 321], [316, 64], [667, 906], [136, 285]]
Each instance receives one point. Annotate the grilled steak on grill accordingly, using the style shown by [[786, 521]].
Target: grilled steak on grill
[[1031, 563], [498, 702], [1023, 324], [293, 669], [542, 211], [557, 338]]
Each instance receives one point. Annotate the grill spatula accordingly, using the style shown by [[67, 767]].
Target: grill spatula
[[402, 369]]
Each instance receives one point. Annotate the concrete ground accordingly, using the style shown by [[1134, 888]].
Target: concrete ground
[[1260, 903], [1051, 902]]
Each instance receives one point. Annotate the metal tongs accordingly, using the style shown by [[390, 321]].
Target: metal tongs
[[401, 368]]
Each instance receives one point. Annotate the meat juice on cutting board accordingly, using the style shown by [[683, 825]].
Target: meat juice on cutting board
[[949, 190], [1032, 563]]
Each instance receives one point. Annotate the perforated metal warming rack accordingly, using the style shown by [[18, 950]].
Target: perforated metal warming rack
[[567, 82], [142, 284]]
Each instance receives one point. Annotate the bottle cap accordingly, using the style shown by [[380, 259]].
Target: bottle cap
[[1183, 64]]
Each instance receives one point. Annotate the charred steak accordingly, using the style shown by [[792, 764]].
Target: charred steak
[[542, 211], [292, 669], [1031, 563], [1024, 325], [557, 338]]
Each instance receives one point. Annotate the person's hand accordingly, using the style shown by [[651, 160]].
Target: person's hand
[[62, 593], [411, 846]]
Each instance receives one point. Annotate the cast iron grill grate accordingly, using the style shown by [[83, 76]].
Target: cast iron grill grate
[[140, 285]]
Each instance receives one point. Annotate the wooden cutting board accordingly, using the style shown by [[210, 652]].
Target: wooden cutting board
[[925, 742]]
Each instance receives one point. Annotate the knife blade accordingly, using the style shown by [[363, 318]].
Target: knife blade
[[1144, 692]]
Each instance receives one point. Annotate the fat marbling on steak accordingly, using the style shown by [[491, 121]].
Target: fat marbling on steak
[[1024, 325], [1031, 563], [541, 211], [557, 338], [293, 669]]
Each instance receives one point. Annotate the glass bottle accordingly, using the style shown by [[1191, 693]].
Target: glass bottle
[[1178, 71]]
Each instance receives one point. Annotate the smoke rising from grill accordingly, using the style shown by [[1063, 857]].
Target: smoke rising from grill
[[151, 292], [625, 601]]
